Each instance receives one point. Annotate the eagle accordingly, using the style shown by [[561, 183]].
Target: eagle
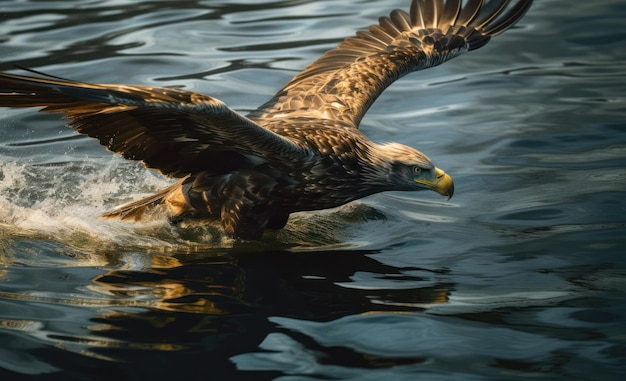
[[302, 150]]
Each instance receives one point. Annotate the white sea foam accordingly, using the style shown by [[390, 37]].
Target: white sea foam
[[63, 202]]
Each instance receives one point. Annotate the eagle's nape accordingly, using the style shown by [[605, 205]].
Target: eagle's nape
[[299, 151]]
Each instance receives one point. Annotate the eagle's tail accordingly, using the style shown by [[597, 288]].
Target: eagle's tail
[[171, 199]]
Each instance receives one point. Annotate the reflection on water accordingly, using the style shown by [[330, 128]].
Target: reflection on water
[[521, 275], [167, 302]]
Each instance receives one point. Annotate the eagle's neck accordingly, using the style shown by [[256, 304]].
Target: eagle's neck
[[351, 174]]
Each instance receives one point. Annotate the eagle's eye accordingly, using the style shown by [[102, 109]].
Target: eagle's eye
[[417, 170]]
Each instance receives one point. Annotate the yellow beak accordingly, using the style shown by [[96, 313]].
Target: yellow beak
[[442, 183]]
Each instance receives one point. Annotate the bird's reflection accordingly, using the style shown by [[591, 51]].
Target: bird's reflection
[[231, 295], [210, 307], [305, 285]]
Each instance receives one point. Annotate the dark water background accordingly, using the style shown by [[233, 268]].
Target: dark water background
[[520, 276]]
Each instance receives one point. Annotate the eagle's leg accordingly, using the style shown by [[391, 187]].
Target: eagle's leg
[[242, 219]]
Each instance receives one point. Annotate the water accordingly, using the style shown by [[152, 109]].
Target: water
[[521, 275]]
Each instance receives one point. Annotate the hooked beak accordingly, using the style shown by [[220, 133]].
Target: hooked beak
[[442, 183]]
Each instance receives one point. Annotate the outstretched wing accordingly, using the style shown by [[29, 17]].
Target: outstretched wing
[[343, 83], [175, 131]]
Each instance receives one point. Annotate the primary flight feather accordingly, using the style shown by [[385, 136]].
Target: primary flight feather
[[299, 151]]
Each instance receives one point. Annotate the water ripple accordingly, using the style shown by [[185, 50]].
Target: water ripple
[[520, 275]]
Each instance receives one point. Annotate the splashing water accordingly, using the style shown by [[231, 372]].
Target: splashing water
[[63, 202]]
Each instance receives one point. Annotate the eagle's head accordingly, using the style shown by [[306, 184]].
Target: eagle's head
[[406, 168]]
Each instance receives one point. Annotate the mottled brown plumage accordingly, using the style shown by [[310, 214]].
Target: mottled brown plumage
[[301, 150]]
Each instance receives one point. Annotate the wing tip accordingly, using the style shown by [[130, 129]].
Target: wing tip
[[491, 21], [478, 20]]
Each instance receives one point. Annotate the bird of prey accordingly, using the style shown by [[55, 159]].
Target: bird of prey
[[301, 150]]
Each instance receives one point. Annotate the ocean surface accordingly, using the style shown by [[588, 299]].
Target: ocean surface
[[522, 275]]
